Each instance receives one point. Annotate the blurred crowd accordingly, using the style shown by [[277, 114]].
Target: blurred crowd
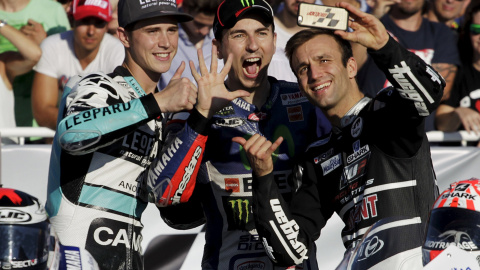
[[45, 42]]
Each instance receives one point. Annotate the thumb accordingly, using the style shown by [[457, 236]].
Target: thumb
[[239, 140], [238, 94], [178, 73]]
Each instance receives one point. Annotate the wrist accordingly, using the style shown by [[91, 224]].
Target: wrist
[[3, 23]]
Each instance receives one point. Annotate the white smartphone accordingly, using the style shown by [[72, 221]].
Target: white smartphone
[[319, 16]]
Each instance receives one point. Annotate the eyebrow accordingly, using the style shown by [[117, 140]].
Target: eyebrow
[[244, 31]]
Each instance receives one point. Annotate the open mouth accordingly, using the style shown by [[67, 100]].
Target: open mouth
[[251, 67]]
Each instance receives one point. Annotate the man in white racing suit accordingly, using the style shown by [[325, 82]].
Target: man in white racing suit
[[112, 134]]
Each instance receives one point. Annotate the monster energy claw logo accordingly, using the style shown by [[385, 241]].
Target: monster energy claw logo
[[247, 3], [240, 214]]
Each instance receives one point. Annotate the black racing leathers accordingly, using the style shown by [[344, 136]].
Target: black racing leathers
[[376, 165]]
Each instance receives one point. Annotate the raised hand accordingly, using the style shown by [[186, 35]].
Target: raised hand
[[259, 152], [212, 93], [34, 30], [180, 93], [368, 30]]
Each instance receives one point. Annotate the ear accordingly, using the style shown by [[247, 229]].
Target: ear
[[219, 48], [123, 36], [274, 41], [352, 68]]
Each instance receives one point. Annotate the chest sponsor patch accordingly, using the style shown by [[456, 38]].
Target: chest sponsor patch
[[359, 153], [331, 164], [295, 113], [230, 122], [293, 98]]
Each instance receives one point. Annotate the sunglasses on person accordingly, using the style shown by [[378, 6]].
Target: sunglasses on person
[[474, 29]]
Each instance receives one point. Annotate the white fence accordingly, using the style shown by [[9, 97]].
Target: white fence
[[25, 167]]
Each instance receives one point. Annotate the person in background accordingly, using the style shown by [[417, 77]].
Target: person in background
[[462, 110], [13, 64], [432, 41], [193, 35], [112, 133], [376, 162], [448, 12], [84, 49], [37, 19], [113, 23]]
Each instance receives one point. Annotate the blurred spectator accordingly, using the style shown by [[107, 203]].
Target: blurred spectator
[[462, 110], [193, 35], [37, 19], [285, 27], [66, 4], [83, 50], [448, 12], [378, 8], [13, 64], [432, 41], [113, 23]]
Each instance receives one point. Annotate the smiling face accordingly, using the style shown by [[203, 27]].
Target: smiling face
[[323, 77], [153, 43], [447, 10], [252, 44]]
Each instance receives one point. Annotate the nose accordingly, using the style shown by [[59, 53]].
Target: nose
[[204, 30], [252, 44], [91, 29], [315, 72], [163, 40]]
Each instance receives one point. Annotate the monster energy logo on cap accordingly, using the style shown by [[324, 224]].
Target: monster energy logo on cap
[[247, 2]]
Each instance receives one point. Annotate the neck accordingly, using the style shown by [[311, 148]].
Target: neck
[[85, 57], [258, 95], [431, 16], [148, 80], [13, 5], [407, 22], [336, 113]]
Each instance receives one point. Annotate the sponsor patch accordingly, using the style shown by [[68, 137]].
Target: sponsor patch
[[295, 113], [230, 122], [226, 110], [232, 184], [358, 153], [239, 213], [323, 156], [107, 237], [331, 164], [357, 127], [293, 98]]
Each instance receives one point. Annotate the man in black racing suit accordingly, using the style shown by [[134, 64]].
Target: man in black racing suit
[[374, 164]]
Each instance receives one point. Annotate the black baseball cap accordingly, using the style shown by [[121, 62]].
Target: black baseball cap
[[130, 11], [229, 12]]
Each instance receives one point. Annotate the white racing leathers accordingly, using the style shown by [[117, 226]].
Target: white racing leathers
[[376, 165], [109, 134]]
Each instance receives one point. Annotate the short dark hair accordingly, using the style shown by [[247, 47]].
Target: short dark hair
[[305, 35], [207, 7]]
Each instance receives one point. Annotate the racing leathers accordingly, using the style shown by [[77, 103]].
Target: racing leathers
[[224, 182], [108, 133], [375, 165]]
